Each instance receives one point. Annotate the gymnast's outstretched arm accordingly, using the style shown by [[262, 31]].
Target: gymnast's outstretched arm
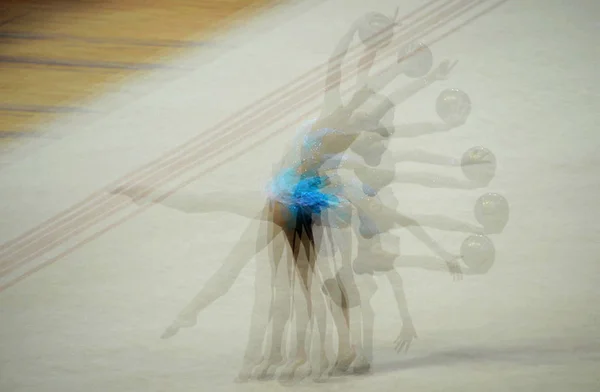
[[333, 80], [436, 181], [395, 281], [407, 332], [373, 85], [399, 96], [378, 212], [430, 263], [379, 81], [351, 161], [415, 228], [442, 222], [420, 129], [422, 156], [421, 178], [333, 97]]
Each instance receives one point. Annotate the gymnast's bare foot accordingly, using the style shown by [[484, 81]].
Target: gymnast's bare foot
[[184, 320], [296, 369], [246, 372], [265, 369], [343, 362], [321, 373], [244, 375], [361, 365]]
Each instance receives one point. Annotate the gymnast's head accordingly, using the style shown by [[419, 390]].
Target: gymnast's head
[[374, 179], [370, 146], [367, 122]]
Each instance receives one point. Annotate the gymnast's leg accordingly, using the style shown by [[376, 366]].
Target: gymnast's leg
[[305, 241], [320, 269], [301, 237], [344, 294], [279, 311], [368, 287], [222, 280], [268, 295], [243, 203]]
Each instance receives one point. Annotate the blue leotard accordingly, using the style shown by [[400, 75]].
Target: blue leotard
[[311, 192]]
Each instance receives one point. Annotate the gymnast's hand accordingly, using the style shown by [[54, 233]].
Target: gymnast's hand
[[454, 268], [405, 338], [184, 320]]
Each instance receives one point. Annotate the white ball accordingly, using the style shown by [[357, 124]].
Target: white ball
[[416, 59], [492, 211], [453, 106], [376, 29], [478, 253], [479, 164]]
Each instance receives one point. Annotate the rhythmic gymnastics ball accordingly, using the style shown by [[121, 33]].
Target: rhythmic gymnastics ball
[[453, 106], [376, 29], [478, 164], [478, 253], [492, 211], [416, 59]]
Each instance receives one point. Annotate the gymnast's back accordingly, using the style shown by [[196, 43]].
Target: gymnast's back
[[310, 143]]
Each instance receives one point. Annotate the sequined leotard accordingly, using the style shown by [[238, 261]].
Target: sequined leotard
[[305, 189], [309, 191]]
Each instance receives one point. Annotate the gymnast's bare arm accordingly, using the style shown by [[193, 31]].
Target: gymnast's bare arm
[[407, 332]]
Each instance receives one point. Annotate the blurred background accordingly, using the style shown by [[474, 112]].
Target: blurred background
[[203, 97], [55, 55]]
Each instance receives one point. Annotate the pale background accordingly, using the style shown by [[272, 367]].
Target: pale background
[[91, 321]]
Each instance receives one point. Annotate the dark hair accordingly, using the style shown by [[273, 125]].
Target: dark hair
[[369, 191]]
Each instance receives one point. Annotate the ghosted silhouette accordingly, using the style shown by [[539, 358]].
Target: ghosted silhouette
[[332, 188]]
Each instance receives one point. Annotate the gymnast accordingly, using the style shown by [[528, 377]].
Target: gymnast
[[300, 194]]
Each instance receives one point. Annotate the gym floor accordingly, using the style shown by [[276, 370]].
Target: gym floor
[[56, 54], [90, 280]]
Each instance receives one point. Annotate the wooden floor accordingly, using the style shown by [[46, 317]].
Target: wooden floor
[[55, 54]]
